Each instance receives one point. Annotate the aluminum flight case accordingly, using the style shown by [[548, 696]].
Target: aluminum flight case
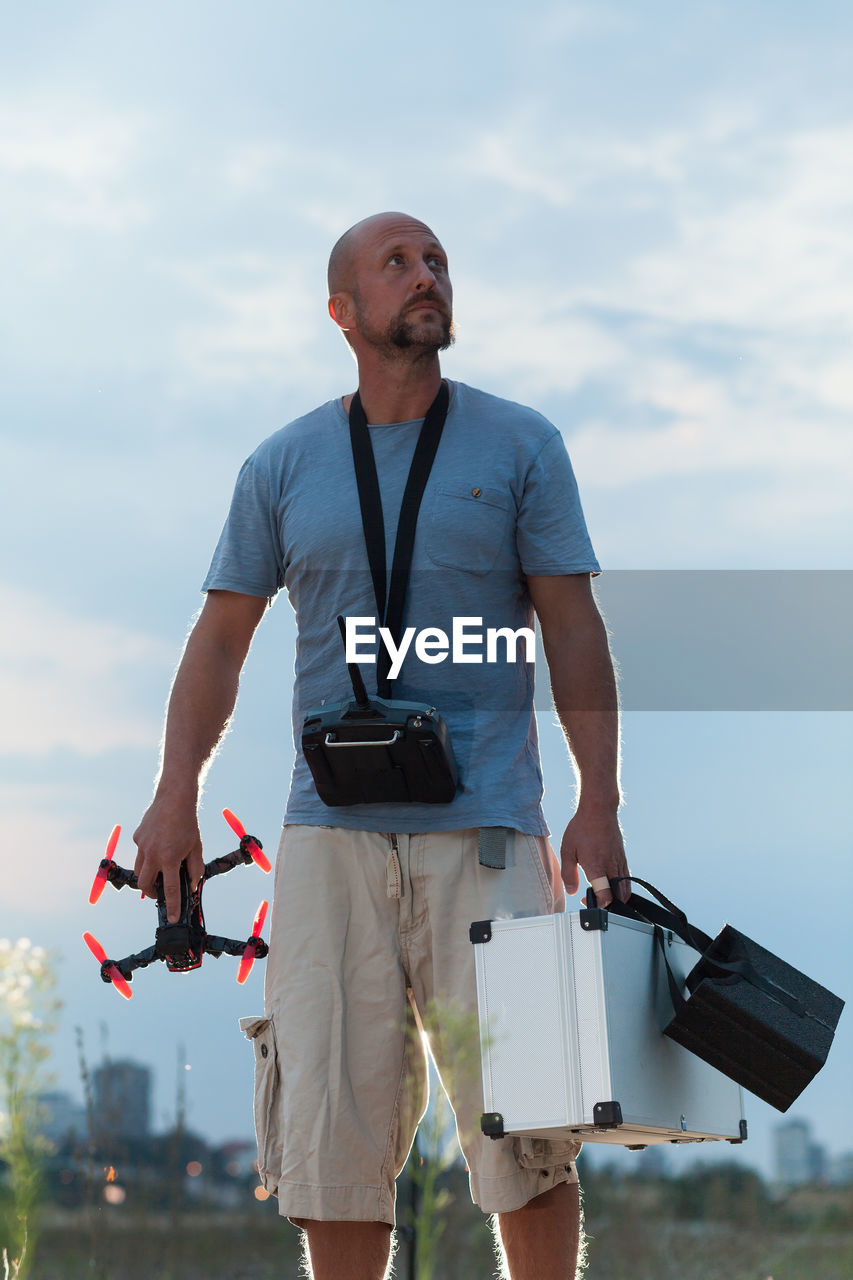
[[571, 1017]]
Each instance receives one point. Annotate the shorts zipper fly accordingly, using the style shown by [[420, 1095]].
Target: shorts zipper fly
[[393, 872]]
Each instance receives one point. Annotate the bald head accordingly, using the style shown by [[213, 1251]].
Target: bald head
[[343, 260]]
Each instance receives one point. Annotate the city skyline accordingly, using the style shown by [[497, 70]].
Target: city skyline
[[797, 1158]]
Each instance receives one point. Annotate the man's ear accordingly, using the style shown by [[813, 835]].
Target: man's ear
[[341, 310]]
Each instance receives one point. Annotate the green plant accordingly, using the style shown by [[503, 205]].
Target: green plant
[[27, 1007], [452, 1035], [93, 1217]]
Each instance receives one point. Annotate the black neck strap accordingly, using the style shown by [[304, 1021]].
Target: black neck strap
[[390, 611]]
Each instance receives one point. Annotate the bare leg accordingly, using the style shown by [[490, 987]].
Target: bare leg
[[348, 1250], [540, 1240]]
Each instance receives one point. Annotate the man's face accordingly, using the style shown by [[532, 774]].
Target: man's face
[[402, 295]]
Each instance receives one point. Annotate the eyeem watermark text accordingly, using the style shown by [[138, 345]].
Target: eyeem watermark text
[[433, 645]]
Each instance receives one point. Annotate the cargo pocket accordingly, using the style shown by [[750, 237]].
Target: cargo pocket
[[543, 1153], [261, 1032]]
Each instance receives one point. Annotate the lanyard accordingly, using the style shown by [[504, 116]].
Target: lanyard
[[390, 610]]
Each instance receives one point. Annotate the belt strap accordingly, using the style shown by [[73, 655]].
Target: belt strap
[[492, 847]]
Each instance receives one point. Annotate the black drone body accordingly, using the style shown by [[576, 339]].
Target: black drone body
[[183, 944]]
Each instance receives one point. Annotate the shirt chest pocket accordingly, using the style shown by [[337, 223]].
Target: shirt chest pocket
[[466, 527]]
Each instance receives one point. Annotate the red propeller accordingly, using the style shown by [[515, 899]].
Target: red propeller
[[253, 847], [249, 953], [118, 979], [101, 875]]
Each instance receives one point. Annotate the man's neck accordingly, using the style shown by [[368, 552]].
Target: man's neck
[[398, 391]]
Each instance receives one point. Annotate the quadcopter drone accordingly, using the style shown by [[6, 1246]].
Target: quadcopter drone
[[181, 945]]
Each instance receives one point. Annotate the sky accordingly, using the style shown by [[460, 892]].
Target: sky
[[647, 210]]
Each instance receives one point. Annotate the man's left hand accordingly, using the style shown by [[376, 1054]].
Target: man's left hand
[[593, 842]]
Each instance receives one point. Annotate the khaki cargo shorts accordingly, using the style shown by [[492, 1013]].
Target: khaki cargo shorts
[[369, 947]]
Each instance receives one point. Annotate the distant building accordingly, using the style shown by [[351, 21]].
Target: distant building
[[797, 1158], [839, 1170], [122, 1098], [60, 1117]]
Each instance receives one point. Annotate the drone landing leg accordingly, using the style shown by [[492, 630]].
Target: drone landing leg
[[214, 946], [228, 861], [130, 964], [120, 878]]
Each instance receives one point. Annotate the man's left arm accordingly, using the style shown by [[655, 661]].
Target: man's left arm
[[584, 688]]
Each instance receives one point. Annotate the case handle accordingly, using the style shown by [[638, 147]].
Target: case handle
[[373, 742]]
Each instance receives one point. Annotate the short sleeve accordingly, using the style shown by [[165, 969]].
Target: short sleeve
[[249, 557], [551, 535]]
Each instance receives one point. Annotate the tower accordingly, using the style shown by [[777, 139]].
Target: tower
[[122, 1096]]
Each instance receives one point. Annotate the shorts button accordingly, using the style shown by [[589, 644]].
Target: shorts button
[[475, 493], [265, 1051]]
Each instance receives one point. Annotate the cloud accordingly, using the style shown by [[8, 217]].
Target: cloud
[[559, 167], [262, 320], [566, 23], [541, 342], [72, 164], [744, 442], [658, 412], [40, 822], [712, 337], [67, 682], [255, 167], [751, 224], [771, 250]]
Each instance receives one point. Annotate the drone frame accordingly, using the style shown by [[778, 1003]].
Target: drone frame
[[181, 945]]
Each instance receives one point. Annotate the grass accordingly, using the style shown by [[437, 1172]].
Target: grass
[[667, 1251], [638, 1244]]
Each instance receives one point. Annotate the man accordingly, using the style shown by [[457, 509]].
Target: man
[[373, 902]]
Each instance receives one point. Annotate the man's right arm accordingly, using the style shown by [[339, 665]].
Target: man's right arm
[[203, 697]]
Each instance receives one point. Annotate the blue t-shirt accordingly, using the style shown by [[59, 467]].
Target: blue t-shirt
[[500, 502]]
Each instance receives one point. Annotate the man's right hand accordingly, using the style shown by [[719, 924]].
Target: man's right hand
[[201, 702], [167, 836]]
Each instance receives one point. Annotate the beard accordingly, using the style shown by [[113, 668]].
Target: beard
[[405, 332]]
